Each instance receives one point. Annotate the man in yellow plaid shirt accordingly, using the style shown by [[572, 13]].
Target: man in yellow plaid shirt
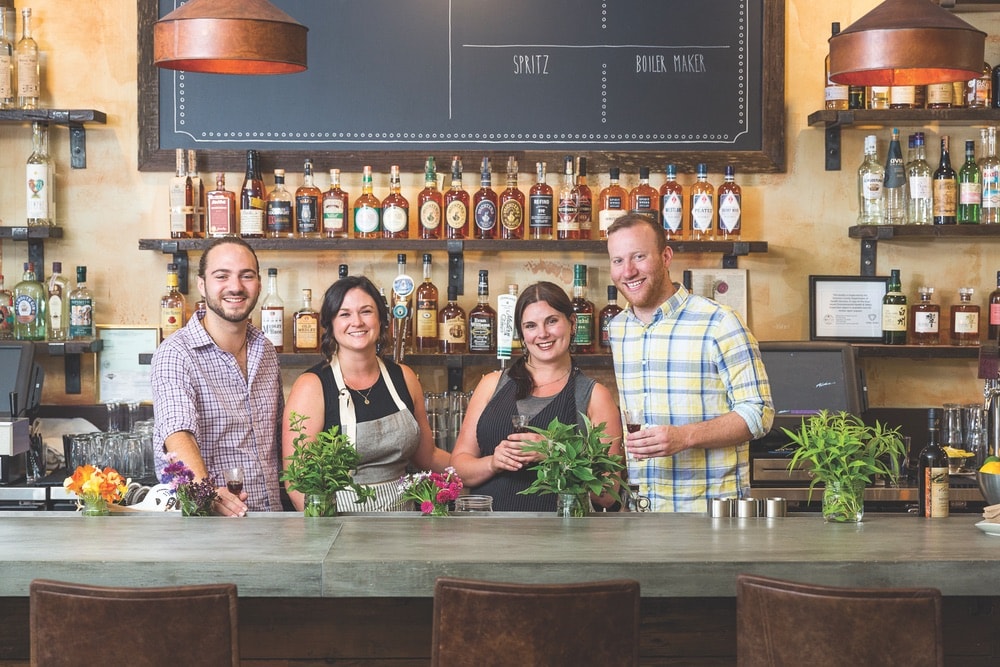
[[694, 368]]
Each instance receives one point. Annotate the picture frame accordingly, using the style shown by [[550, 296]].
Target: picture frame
[[123, 364], [846, 308]]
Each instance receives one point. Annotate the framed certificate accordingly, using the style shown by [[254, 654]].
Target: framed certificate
[[846, 308], [123, 363]]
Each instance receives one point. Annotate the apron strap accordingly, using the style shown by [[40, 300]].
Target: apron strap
[[348, 420]]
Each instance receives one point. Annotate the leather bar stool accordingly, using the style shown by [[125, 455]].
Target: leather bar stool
[[550, 625], [787, 623], [76, 624]]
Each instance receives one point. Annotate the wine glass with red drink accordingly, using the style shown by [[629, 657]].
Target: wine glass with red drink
[[520, 423], [234, 480], [633, 422]]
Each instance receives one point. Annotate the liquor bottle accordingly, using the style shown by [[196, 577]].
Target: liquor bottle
[[540, 206], [606, 315], [925, 319], [252, 199], [456, 204], [427, 311], [272, 313], [305, 326], [367, 209], [9, 20], [994, 305], [945, 186], [485, 204], [894, 189], [836, 94], [584, 199], [878, 97], [995, 87], [307, 198], [395, 209], [644, 198], [58, 306], [903, 97], [278, 209], [81, 308], [402, 310], [857, 97], [989, 174], [172, 305], [871, 176], [515, 342], [221, 209], [342, 272], [940, 95], [932, 497], [26, 55], [965, 319], [430, 203], [730, 222], [702, 206], [483, 320], [567, 210], [582, 341], [197, 195], [335, 206], [29, 306], [894, 317], [7, 99], [511, 205], [958, 95], [6, 312], [672, 205], [40, 178], [978, 91], [970, 190], [452, 325], [918, 176], [612, 202]]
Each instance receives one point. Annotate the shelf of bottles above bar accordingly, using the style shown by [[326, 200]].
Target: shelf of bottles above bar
[[885, 232]]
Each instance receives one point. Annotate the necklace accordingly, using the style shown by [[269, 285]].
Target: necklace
[[546, 384], [362, 394]]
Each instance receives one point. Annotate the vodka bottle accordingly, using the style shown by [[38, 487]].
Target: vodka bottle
[[918, 174], [871, 174], [40, 178], [894, 185]]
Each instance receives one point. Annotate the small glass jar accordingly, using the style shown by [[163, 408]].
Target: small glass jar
[[473, 503]]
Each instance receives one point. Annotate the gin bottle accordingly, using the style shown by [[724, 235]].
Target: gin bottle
[[26, 56], [918, 174], [894, 185], [81, 308], [871, 174]]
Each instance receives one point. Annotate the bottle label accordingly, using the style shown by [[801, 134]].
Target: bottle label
[[583, 335], [81, 318], [27, 75], [567, 212], [969, 193], [936, 490], [702, 212], [456, 214], [926, 322], [584, 209], [894, 317], [486, 215], [307, 214], [920, 187], [512, 214], [643, 202], [430, 214], [251, 221], [306, 333], [395, 218], [366, 219], [871, 185], [995, 314], [540, 216], [220, 215], [279, 217], [333, 215], [945, 198], [729, 212], [902, 94], [963, 322], [835, 93], [402, 285], [171, 319], [480, 334], [607, 216], [38, 188], [25, 309], [991, 186], [6, 91], [272, 323], [55, 313], [673, 212], [427, 318], [452, 331]]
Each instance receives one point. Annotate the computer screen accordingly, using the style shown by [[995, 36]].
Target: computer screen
[[19, 373]]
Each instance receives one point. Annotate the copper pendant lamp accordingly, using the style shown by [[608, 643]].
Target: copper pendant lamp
[[230, 37], [906, 43]]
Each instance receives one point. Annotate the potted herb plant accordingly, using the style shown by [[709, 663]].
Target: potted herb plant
[[320, 467], [574, 465], [845, 454]]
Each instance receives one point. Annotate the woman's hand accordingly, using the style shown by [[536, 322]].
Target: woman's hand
[[508, 455]]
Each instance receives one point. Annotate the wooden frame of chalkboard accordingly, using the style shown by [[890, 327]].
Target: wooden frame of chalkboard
[[747, 85]]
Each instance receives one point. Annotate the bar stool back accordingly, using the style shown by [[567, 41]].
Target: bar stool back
[[73, 624]]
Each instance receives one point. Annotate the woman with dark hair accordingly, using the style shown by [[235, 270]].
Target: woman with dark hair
[[541, 385], [378, 404]]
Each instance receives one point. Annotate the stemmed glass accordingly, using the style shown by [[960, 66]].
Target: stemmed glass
[[520, 423], [234, 479]]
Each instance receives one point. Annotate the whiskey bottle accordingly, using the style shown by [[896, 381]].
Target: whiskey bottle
[[40, 178], [272, 313], [430, 203], [307, 198], [918, 176], [540, 206], [871, 176], [336, 203], [181, 199], [58, 306], [894, 315], [836, 94], [7, 99], [644, 198], [958, 94], [26, 55], [427, 311], [965, 319], [672, 205], [511, 205], [606, 315], [933, 483], [305, 326], [894, 188], [978, 91], [456, 204], [221, 209], [29, 306], [702, 206], [252, 199], [925, 320], [612, 202], [878, 97], [6, 312], [583, 334], [485, 204], [970, 190], [197, 195], [395, 209], [81, 308], [993, 332], [945, 186], [402, 310], [857, 97], [730, 220], [452, 325], [568, 210], [940, 95], [989, 174], [584, 199], [367, 209], [279, 209], [172, 305], [483, 320], [903, 97]]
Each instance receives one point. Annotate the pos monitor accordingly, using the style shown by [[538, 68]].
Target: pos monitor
[[21, 375]]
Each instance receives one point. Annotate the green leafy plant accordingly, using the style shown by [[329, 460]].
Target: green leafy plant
[[575, 463], [322, 465]]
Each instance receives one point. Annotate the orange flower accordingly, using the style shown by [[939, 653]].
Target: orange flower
[[88, 482]]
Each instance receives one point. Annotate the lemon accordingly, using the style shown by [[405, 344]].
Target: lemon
[[991, 459], [954, 453], [993, 468]]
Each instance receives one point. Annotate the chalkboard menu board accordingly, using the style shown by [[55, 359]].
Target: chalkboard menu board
[[621, 80]]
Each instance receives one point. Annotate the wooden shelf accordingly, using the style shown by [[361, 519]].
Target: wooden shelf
[[74, 119], [885, 232], [602, 360], [917, 351]]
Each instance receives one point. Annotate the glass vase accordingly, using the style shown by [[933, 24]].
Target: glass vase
[[95, 507], [572, 505], [320, 504], [844, 501]]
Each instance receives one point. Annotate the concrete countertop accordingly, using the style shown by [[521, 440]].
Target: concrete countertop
[[396, 555]]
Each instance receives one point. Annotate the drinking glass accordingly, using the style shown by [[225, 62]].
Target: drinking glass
[[633, 422], [951, 428], [114, 416], [975, 433], [520, 423], [234, 479]]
